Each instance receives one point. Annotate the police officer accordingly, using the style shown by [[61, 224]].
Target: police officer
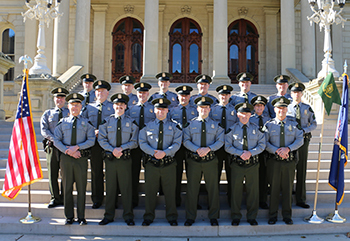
[[305, 117], [245, 95], [48, 122], [202, 137], [127, 83], [225, 114], [282, 87], [96, 112], [244, 142], [160, 140], [74, 135], [182, 114], [203, 82], [260, 118], [142, 113], [283, 138], [164, 83], [88, 91], [118, 136]]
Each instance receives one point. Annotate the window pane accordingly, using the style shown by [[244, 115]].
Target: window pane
[[234, 29], [193, 58], [233, 59], [119, 62], [136, 27], [177, 58], [250, 29], [250, 59], [193, 28], [136, 58], [11, 72], [178, 28], [121, 27], [8, 41]]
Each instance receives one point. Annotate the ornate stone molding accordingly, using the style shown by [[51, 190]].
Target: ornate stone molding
[[186, 9], [129, 9], [243, 11]]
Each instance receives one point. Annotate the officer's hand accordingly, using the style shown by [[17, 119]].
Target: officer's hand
[[118, 152], [246, 155], [159, 154], [76, 155], [96, 132], [283, 152]]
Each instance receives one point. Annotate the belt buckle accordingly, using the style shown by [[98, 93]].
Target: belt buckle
[[247, 162]]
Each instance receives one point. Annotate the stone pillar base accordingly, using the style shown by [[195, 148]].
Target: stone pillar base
[[149, 79], [221, 80]]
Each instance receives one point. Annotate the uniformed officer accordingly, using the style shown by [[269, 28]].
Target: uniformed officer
[[282, 87], [48, 122], [283, 138], [305, 117], [74, 136], [164, 83], [260, 118], [127, 83], [88, 91], [142, 113], [202, 137], [182, 114], [225, 114], [203, 82], [160, 140], [96, 112], [118, 136], [244, 142], [245, 95]]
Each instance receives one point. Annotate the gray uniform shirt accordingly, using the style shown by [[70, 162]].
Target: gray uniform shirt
[[270, 106], [172, 137], [193, 97], [169, 95], [176, 113], [293, 136], [91, 111], [63, 133], [132, 100], [307, 116], [255, 119], [231, 114], [239, 98], [134, 113], [49, 120], [92, 97], [234, 139]]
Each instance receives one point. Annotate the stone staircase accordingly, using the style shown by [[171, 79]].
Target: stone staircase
[[53, 219]]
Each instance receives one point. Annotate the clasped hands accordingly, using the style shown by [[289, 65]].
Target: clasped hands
[[283, 152], [73, 151], [203, 151]]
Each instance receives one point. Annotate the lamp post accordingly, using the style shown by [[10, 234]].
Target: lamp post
[[44, 11], [325, 16]]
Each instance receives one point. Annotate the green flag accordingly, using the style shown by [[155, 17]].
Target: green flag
[[329, 93]]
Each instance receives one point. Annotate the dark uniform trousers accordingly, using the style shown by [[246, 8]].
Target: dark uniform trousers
[[53, 168], [194, 177], [282, 177], [118, 171], [97, 183], [251, 176], [180, 156], [264, 173], [300, 191], [74, 170], [222, 155], [136, 156], [166, 175]]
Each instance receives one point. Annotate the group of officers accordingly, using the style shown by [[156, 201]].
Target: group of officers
[[261, 141]]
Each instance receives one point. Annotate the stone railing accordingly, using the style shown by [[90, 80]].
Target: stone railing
[[71, 78]]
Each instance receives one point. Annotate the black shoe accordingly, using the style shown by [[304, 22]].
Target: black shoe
[[303, 205], [173, 223], [263, 205], [105, 221], [189, 222], [69, 221], [82, 221], [199, 207], [96, 205], [235, 222], [214, 222], [252, 222], [130, 222], [272, 221], [53, 204], [146, 222], [288, 221]]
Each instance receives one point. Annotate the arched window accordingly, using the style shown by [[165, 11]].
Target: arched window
[[127, 49], [8, 48], [242, 49], [185, 61]]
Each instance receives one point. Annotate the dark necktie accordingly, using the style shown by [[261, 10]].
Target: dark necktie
[[73, 141], [261, 122], [223, 117], [245, 97], [87, 99], [119, 132], [297, 113], [203, 135], [142, 118], [245, 138], [160, 136], [99, 116], [282, 143], [184, 116], [60, 114]]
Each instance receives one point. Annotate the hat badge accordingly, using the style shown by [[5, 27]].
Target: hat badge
[[161, 101], [163, 75], [99, 83], [119, 96], [184, 88], [225, 87], [59, 90], [259, 98], [281, 100], [203, 77], [127, 77], [281, 77], [244, 75], [75, 95], [244, 105], [87, 76], [203, 99], [297, 85], [141, 85]]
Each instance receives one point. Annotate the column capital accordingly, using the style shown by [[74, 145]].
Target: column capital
[[210, 8], [99, 7], [270, 10], [161, 7]]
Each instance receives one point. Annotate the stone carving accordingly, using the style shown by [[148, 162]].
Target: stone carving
[[243, 11], [129, 8], [186, 9]]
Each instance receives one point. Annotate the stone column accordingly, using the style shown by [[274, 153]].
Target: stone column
[[160, 40], [287, 35], [308, 42], [271, 43], [220, 42], [82, 34], [30, 30], [337, 44], [98, 49], [5, 64], [60, 41], [210, 10], [150, 41]]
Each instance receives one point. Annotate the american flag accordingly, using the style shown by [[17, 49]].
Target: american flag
[[23, 165]]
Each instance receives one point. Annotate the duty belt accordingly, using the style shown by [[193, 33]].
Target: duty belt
[[166, 161], [107, 155], [246, 163], [85, 153], [307, 136], [293, 156], [209, 157]]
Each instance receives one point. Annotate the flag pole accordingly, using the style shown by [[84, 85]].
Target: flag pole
[[29, 218]]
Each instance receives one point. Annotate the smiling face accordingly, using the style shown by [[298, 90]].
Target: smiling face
[[142, 96], [203, 111], [119, 108], [296, 95], [184, 99], [203, 88], [243, 117], [161, 113], [164, 85], [281, 112], [245, 86], [88, 86], [59, 101], [224, 98], [101, 94], [282, 88], [259, 108], [74, 108], [127, 88]]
